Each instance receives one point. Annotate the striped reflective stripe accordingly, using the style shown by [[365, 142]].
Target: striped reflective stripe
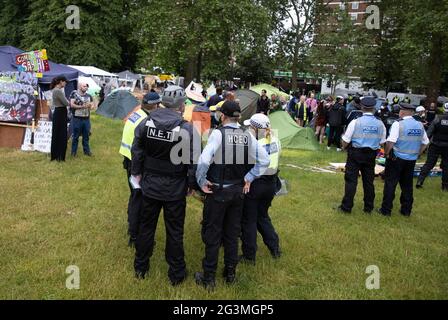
[[126, 146]]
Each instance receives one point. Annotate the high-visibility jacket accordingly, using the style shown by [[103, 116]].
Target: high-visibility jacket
[[273, 148], [128, 132]]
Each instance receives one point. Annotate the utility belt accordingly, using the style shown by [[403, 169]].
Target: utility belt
[[362, 150], [164, 168]]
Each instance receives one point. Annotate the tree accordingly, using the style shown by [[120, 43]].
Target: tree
[[302, 16], [12, 19], [193, 37], [94, 43], [336, 53]]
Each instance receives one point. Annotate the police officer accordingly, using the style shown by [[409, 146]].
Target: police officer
[[438, 131], [356, 112], [393, 117], [261, 194], [406, 142], [165, 178], [363, 137], [150, 102], [225, 172]]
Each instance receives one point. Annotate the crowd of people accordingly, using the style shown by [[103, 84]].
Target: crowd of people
[[236, 171], [236, 177]]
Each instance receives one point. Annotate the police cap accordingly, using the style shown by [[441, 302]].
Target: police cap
[[230, 109], [407, 106], [368, 102]]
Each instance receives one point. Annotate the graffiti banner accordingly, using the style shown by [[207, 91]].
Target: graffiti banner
[[17, 96]]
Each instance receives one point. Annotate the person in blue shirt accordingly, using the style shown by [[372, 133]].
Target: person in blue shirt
[[363, 138], [406, 142], [229, 163]]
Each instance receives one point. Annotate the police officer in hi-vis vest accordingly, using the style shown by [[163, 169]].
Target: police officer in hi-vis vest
[[165, 178], [150, 102], [406, 142], [230, 162], [363, 138], [438, 132], [261, 194]]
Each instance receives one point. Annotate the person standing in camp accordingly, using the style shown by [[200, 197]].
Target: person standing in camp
[[59, 130], [336, 116], [263, 103], [406, 142], [261, 194], [438, 132], [225, 172], [81, 103], [276, 104], [150, 102], [165, 178], [215, 99], [311, 102], [363, 138], [302, 112], [321, 121]]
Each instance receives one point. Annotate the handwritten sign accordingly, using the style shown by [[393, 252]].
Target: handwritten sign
[[34, 61], [42, 138], [17, 96]]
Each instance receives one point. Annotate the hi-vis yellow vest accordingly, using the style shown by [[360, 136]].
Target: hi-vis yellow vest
[[273, 148], [128, 132]]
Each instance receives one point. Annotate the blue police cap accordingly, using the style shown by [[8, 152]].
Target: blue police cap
[[407, 106], [368, 102]]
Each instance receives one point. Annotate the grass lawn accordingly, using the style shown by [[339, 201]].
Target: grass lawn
[[54, 215]]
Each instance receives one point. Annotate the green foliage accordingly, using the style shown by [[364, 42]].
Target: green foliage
[[336, 53], [95, 43], [12, 19]]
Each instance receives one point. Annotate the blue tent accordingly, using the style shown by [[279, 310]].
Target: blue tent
[[7, 63]]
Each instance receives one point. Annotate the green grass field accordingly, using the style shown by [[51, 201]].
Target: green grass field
[[54, 215]]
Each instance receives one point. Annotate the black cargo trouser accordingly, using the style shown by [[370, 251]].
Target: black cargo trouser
[[334, 136], [222, 225], [433, 156], [256, 217], [174, 216], [134, 203], [402, 172], [362, 159]]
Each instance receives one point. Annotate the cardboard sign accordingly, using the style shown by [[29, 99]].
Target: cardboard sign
[[34, 61], [42, 138], [17, 96]]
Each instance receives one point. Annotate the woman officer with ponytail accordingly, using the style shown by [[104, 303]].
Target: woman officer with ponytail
[[261, 194]]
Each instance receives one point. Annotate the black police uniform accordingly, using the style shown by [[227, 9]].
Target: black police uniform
[[438, 131], [362, 151], [223, 208], [164, 185], [392, 117]]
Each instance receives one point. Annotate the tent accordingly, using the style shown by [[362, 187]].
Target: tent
[[118, 105], [7, 63], [130, 78], [270, 90], [248, 102], [291, 135]]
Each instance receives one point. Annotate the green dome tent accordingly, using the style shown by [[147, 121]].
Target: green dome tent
[[291, 135], [118, 105], [269, 90]]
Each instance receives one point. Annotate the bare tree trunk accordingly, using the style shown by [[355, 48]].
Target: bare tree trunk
[[199, 66], [295, 62], [190, 70], [435, 72]]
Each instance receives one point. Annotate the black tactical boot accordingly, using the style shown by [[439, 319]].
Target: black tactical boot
[[229, 274], [206, 280], [419, 184]]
